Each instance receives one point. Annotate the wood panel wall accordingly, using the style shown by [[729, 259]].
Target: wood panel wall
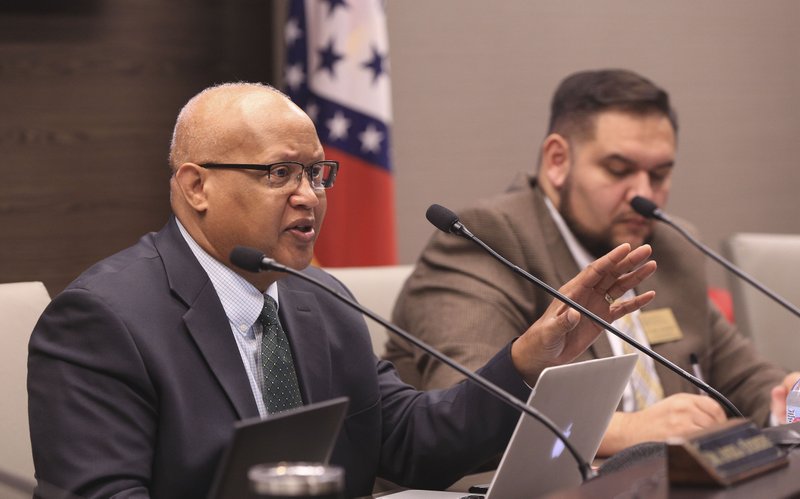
[[89, 91]]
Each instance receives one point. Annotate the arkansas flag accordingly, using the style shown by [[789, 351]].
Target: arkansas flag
[[337, 70]]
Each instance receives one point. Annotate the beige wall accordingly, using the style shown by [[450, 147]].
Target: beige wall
[[472, 81]]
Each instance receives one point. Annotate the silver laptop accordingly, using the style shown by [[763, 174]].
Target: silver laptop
[[307, 433], [580, 399]]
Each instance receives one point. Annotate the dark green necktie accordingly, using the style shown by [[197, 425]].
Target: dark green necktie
[[281, 391]]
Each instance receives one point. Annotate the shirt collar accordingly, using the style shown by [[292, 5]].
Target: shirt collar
[[581, 256], [241, 300], [576, 249]]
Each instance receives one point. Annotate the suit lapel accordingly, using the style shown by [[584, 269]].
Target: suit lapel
[[302, 319], [211, 331], [562, 262], [205, 319], [553, 244]]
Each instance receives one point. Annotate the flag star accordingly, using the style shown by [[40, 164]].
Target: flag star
[[292, 31], [375, 64], [371, 139], [338, 126], [332, 4], [295, 76], [328, 57], [312, 110]]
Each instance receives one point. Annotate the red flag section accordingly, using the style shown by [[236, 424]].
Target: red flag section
[[359, 228], [337, 71]]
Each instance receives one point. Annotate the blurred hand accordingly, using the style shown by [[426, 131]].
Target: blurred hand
[[561, 333], [676, 415], [779, 394]]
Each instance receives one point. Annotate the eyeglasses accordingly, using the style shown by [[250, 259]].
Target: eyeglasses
[[321, 175]]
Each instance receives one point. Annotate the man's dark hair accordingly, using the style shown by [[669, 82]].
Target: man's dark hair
[[583, 95]]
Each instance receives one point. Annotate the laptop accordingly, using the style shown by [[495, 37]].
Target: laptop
[[580, 399], [307, 433]]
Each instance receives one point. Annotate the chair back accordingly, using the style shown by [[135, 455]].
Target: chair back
[[774, 261], [375, 288], [21, 304]]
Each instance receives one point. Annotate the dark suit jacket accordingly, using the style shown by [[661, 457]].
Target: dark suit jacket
[[135, 382], [465, 303]]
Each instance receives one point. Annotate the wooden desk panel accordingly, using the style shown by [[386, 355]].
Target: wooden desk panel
[[649, 479]]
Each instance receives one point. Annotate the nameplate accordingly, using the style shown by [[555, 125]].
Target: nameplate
[[660, 326], [724, 455]]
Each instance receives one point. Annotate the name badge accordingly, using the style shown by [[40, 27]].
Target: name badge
[[660, 326]]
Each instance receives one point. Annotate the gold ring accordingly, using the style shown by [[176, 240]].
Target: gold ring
[[609, 299]]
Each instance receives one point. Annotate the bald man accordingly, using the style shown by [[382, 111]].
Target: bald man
[[140, 368]]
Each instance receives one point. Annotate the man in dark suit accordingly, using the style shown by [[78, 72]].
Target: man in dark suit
[[138, 370], [612, 136]]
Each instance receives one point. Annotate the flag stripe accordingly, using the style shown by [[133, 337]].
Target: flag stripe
[[359, 233], [337, 71]]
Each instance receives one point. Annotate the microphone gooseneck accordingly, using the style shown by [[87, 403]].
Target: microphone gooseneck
[[602, 323], [647, 208], [252, 260]]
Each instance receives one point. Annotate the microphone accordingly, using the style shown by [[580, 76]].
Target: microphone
[[253, 260], [447, 221], [648, 209]]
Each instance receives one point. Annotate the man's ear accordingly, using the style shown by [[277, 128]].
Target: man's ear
[[555, 160], [190, 181]]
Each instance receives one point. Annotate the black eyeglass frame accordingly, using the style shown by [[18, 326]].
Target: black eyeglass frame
[[326, 183]]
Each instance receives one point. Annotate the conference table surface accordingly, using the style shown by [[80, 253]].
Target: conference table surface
[[648, 479]]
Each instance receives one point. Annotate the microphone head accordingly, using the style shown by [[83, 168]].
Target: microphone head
[[248, 259], [441, 218], [644, 207]]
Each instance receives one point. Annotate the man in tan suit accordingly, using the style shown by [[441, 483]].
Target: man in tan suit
[[612, 136]]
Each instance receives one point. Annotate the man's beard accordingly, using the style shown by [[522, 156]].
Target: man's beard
[[596, 245]]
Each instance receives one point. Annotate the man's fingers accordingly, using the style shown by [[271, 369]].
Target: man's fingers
[[569, 319], [711, 409], [631, 279], [600, 268], [619, 309], [638, 255], [629, 265], [606, 271]]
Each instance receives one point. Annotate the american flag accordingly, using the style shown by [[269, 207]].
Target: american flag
[[337, 66]]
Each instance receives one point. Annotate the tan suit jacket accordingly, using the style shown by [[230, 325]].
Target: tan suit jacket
[[468, 305]]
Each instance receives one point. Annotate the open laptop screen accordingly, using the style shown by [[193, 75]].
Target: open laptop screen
[[580, 399]]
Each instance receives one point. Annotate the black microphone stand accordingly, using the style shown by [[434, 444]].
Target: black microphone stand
[[244, 257], [647, 208]]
